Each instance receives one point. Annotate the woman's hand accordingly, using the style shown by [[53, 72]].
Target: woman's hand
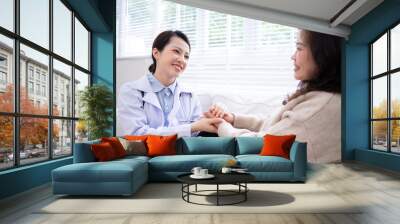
[[207, 124], [219, 112]]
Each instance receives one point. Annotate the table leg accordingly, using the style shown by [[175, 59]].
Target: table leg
[[245, 191], [182, 190], [188, 190], [217, 194]]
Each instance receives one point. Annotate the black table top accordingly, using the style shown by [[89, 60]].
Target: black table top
[[220, 178]]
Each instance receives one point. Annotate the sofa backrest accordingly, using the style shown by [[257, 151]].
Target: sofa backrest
[[249, 145], [83, 152], [196, 145], [206, 145]]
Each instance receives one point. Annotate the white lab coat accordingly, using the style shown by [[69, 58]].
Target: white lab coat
[[139, 111]]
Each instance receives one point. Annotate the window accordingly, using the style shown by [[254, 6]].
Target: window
[[217, 29], [7, 14], [3, 61], [385, 94], [30, 72], [81, 45], [53, 128], [81, 81], [3, 72], [6, 80], [63, 73], [6, 142], [30, 87], [34, 22], [37, 74], [230, 51], [62, 29], [3, 78], [62, 144], [55, 102], [38, 89], [44, 91]]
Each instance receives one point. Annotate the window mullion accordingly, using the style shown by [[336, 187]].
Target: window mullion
[[50, 81], [16, 84], [371, 137], [389, 76]]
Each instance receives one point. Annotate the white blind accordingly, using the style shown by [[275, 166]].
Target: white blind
[[230, 54]]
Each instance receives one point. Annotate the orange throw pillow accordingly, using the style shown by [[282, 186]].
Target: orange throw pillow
[[136, 137], [277, 145], [116, 145], [161, 145], [103, 152]]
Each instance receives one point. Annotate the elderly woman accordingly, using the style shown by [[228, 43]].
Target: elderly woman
[[312, 112]]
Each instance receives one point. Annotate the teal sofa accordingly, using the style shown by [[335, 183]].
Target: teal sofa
[[125, 176]]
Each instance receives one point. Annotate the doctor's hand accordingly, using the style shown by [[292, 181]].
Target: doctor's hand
[[207, 124], [216, 111]]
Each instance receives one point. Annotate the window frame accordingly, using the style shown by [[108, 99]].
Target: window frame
[[16, 115], [388, 74]]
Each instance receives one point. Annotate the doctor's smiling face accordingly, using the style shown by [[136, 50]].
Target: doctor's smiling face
[[172, 60], [170, 56], [305, 67]]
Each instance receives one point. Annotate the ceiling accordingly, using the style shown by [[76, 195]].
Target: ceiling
[[326, 16], [318, 9]]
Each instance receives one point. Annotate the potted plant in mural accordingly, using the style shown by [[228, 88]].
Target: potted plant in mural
[[96, 102]]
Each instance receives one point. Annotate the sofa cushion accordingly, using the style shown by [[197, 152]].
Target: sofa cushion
[[116, 145], [185, 163], [103, 152], [111, 171], [257, 163], [206, 145], [161, 145], [249, 145], [129, 159], [134, 147], [275, 145], [136, 137]]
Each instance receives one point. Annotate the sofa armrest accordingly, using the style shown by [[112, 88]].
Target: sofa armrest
[[298, 155], [83, 152]]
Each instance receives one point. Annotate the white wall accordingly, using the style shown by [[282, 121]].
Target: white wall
[[129, 69]]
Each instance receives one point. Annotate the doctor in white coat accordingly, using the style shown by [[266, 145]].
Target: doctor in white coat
[[157, 103]]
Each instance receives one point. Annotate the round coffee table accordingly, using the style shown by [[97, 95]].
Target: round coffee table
[[238, 179]]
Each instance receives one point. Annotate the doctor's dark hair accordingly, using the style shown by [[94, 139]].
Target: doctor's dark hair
[[162, 40], [326, 52]]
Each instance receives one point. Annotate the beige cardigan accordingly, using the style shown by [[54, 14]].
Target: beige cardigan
[[314, 117]]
